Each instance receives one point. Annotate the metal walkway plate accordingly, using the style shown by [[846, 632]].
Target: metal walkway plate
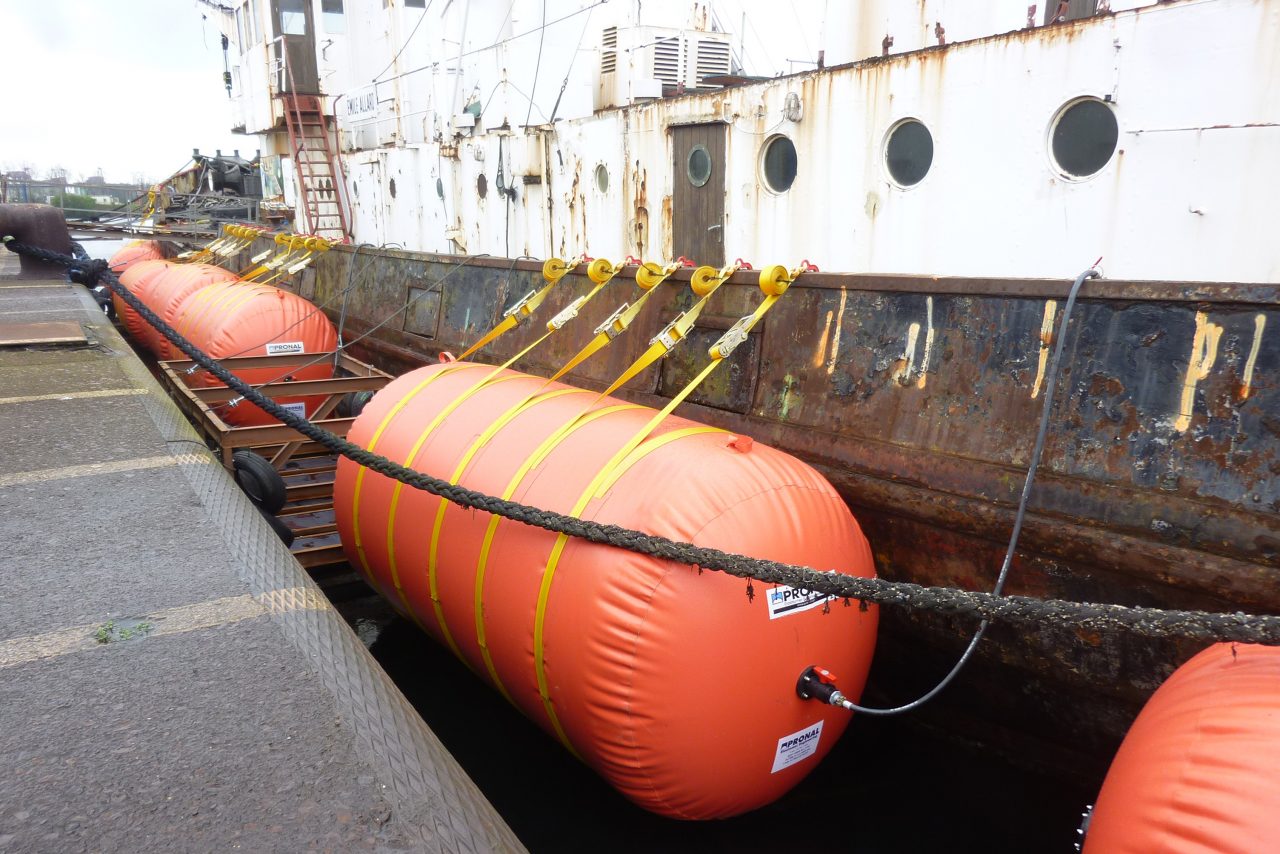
[[44, 332]]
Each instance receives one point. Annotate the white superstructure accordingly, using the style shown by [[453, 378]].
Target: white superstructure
[[941, 137]]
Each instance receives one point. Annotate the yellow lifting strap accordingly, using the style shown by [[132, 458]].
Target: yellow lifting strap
[[264, 261], [774, 282], [648, 277], [312, 245], [704, 282], [552, 271], [599, 271], [204, 251], [296, 254], [242, 237]]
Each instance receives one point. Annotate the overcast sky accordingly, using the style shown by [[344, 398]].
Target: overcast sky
[[127, 85]]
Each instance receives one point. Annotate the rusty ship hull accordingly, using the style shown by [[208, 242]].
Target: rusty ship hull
[[1157, 485]]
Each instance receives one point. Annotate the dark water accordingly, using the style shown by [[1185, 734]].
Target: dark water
[[886, 787]]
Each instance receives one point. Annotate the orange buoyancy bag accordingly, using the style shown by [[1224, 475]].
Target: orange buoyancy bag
[[134, 252], [169, 291], [1199, 770], [677, 685], [236, 319], [139, 279]]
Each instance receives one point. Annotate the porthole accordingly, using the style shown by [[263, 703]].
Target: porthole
[[698, 166], [778, 164], [602, 178], [1084, 138], [908, 152], [482, 185]]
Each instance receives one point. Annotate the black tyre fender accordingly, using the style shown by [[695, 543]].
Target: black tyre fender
[[258, 480], [283, 531]]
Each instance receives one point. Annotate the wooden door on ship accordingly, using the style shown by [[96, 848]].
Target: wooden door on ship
[[697, 203], [295, 31]]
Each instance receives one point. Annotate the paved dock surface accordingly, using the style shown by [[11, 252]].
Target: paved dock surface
[[170, 679]]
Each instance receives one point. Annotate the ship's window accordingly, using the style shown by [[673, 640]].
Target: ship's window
[[698, 166], [482, 186], [778, 163], [602, 178], [240, 42], [415, 4], [253, 22], [293, 17], [334, 20], [908, 152], [1084, 137]]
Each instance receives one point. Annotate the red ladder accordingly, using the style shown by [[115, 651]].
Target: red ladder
[[316, 162]]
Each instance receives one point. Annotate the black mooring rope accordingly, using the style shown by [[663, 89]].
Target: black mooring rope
[[1017, 610]]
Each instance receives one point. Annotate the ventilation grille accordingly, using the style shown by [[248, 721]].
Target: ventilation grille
[[713, 60], [666, 61], [609, 55]]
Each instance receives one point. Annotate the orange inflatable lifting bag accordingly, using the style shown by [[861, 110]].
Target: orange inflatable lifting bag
[[231, 319], [139, 279], [678, 686], [1199, 770], [133, 252]]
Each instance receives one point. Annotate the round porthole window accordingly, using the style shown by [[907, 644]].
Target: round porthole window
[[698, 166], [908, 152], [602, 178], [1084, 138], [778, 163]]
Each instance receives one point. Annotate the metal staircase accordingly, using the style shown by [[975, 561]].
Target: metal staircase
[[320, 192]]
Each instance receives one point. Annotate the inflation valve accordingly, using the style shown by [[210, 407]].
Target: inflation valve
[[819, 683]]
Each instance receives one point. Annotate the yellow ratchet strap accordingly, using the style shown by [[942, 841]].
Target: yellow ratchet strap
[[648, 277], [204, 251], [243, 235], [552, 271], [291, 245], [705, 281], [774, 282], [312, 245]]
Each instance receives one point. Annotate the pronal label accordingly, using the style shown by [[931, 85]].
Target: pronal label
[[783, 600], [796, 746], [285, 348]]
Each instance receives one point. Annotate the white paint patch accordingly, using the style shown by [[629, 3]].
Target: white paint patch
[[1259, 324], [1204, 352], [796, 746], [928, 343], [1046, 338], [903, 374]]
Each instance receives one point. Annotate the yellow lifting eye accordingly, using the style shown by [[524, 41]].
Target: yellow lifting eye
[[282, 239], [774, 280], [704, 280], [600, 271]]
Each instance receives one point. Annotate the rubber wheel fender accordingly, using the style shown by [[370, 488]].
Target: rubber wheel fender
[[283, 531], [258, 480]]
